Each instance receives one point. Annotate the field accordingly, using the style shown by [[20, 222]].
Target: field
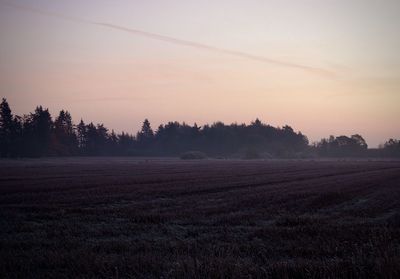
[[154, 218]]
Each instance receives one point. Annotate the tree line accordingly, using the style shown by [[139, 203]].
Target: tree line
[[38, 134]]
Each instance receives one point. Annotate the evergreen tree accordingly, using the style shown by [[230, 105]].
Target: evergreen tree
[[146, 134], [6, 129], [37, 132], [81, 136], [65, 141]]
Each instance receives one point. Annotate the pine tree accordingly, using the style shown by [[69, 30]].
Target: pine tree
[[82, 136], [146, 134], [6, 128]]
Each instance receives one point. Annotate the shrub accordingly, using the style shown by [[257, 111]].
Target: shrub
[[251, 154], [193, 155]]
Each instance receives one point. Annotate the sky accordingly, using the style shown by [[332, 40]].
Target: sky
[[324, 67]]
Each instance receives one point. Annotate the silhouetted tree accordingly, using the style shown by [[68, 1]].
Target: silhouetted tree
[[37, 132], [359, 142], [112, 143], [391, 148], [65, 141], [81, 132], [146, 132], [96, 140], [6, 129], [126, 144], [91, 139], [342, 146], [145, 137]]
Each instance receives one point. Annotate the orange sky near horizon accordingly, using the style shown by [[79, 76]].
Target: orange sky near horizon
[[111, 76]]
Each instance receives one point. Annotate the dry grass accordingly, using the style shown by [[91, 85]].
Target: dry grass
[[141, 218]]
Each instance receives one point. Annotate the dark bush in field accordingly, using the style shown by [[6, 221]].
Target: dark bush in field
[[193, 155], [251, 153]]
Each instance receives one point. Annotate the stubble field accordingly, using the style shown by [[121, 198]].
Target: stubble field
[[165, 218]]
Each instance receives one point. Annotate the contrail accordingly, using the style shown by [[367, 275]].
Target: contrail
[[176, 41]]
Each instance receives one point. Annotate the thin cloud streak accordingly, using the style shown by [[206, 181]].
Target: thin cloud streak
[[176, 41], [168, 39], [105, 99]]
